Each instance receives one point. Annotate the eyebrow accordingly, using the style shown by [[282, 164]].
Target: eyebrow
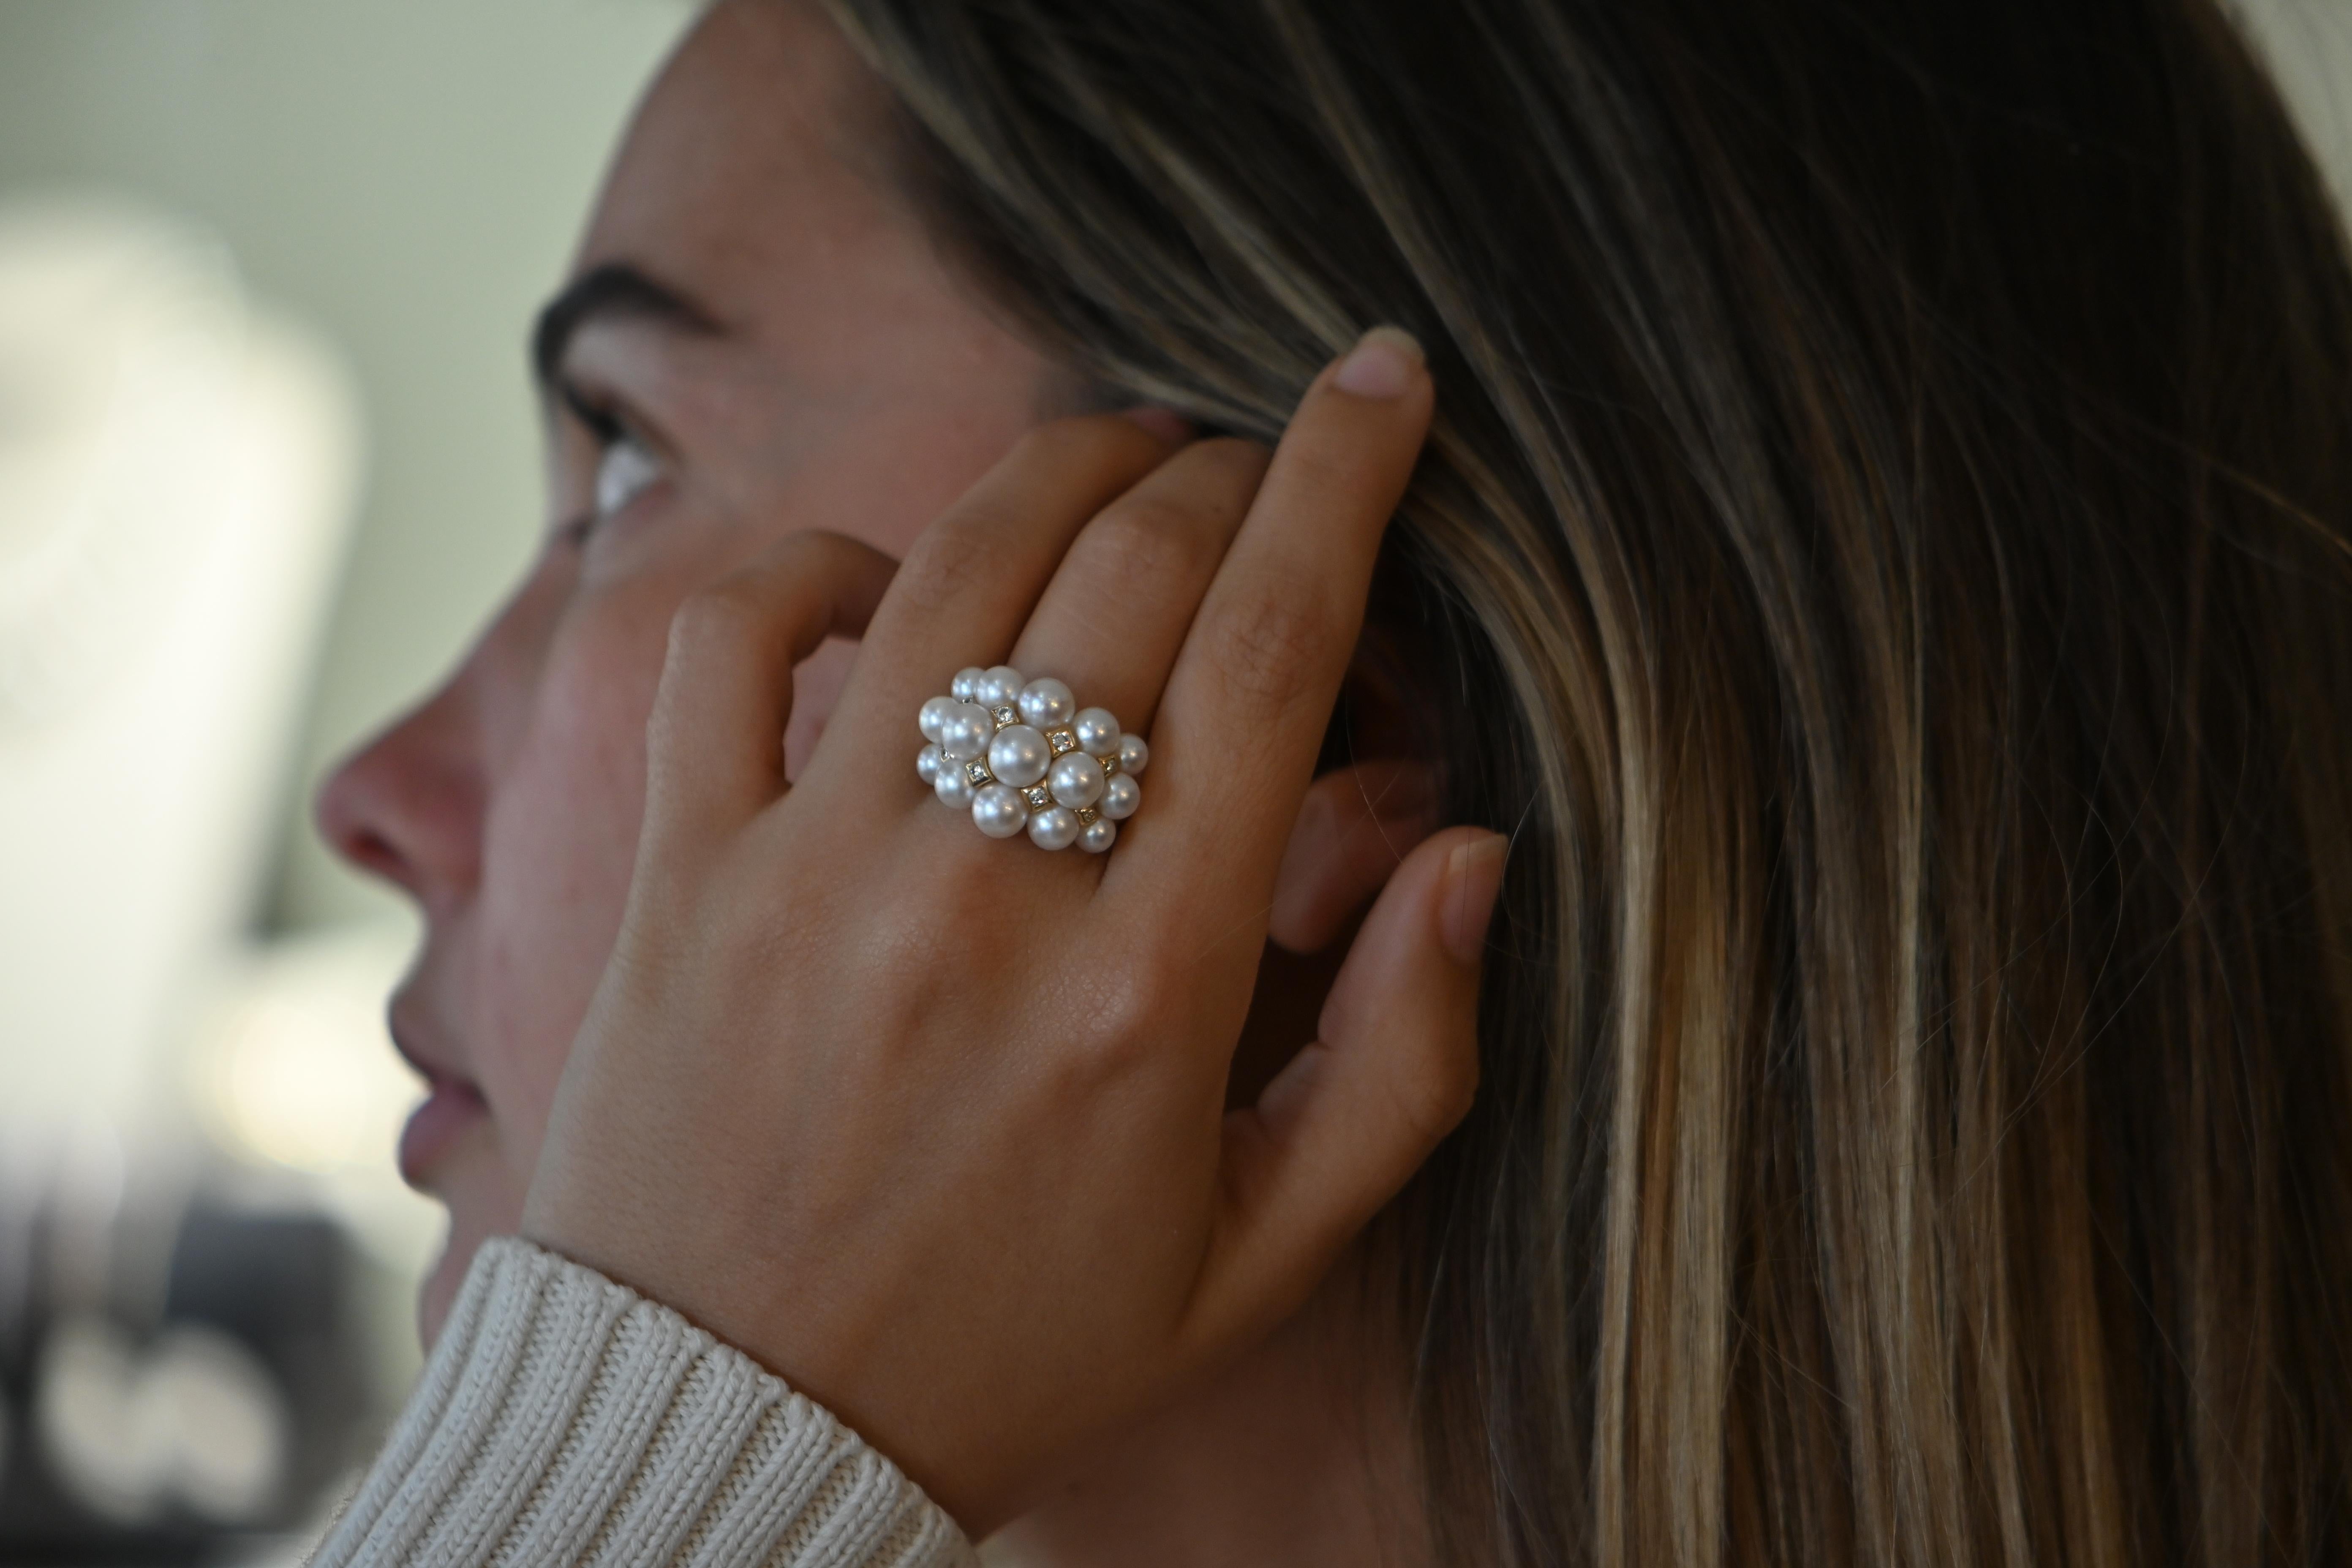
[[613, 290]]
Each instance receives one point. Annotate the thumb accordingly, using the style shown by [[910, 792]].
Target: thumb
[[1342, 1127]]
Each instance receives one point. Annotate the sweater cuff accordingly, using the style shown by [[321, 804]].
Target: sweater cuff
[[566, 1419]]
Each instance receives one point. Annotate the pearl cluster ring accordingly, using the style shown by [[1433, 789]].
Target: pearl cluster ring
[[1022, 754]]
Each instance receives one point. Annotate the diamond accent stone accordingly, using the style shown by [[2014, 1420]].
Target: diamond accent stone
[[1038, 798], [1062, 740], [1086, 814], [977, 772], [1005, 716]]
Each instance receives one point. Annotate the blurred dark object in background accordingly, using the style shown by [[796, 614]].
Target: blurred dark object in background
[[181, 1379]]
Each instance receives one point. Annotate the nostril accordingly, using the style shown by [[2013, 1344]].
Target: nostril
[[371, 851], [389, 811], [406, 805], [341, 813]]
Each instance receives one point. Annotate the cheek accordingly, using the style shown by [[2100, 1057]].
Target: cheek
[[558, 842]]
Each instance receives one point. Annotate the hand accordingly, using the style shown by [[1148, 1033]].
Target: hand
[[933, 1124]]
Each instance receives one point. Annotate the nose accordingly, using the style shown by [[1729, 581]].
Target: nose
[[407, 806]]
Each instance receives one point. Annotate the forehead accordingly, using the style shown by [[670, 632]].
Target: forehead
[[753, 178]]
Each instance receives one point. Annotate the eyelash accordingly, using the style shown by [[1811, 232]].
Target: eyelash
[[601, 420]]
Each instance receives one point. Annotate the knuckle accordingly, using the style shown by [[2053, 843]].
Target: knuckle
[[1273, 641], [1318, 468], [1060, 441], [1146, 538], [806, 549], [1094, 1066], [1121, 1015], [1235, 457], [1099, 445], [720, 621], [952, 556], [1130, 1006], [1218, 479]]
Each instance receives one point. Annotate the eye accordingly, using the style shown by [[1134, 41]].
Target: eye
[[623, 468], [626, 462]]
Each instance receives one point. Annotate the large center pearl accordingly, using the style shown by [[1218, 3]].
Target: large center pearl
[[1019, 755], [1078, 780]]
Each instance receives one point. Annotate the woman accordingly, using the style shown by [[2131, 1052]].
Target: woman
[[1880, 553]]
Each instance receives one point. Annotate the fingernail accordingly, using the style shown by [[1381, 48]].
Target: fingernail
[[1473, 875], [1381, 364], [1165, 423]]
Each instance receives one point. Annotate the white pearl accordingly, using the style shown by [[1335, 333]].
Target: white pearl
[[1055, 828], [966, 685], [1019, 755], [952, 788], [928, 763], [1132, 753], [934, 714], [1047, 702], [1121, 795], [999, 811], [1000, 688], [1078, 780], [966, 731], [1096, 729], [1097, 836]]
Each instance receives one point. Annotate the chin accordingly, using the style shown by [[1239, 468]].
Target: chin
[[467, 1230], [438, 1294]]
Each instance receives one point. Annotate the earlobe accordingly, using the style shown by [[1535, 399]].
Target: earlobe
[[1354, 828]]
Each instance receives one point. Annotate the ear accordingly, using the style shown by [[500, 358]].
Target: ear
[[1355, 826]]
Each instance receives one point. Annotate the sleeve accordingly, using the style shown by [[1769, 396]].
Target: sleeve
[[565, 1419]]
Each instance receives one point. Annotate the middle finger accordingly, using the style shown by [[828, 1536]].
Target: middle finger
[[1119, 608]]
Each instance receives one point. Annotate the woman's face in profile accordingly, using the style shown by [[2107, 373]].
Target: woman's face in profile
[[759, 340]]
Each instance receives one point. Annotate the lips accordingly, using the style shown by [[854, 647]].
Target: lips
[[450, 1109], [453, 1103]]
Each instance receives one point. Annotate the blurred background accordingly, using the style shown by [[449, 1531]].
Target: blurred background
[[268, 454]]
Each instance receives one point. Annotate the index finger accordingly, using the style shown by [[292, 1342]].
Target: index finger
[[1235, 744]]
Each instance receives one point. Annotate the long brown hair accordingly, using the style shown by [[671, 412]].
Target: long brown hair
[[1884, 553]]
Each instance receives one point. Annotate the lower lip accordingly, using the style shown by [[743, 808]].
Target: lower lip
[[446, 1116]]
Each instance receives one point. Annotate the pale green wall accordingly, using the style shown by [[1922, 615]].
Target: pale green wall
[[408, 176]]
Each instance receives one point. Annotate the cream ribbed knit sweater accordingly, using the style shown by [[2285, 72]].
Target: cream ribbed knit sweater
[[565, 1419]]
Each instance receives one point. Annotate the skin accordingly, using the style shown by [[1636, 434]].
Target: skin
[[849, 382]]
